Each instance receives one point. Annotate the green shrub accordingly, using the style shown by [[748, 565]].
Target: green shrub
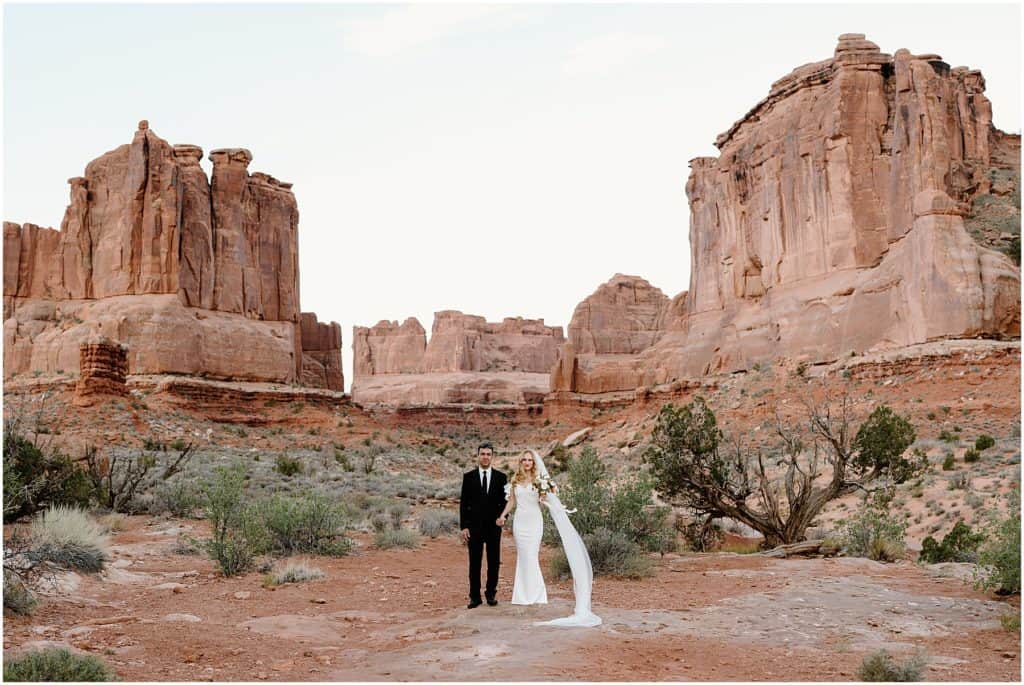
[[293, 572], [1010, 621], [946, 436], [313, 524], [999, 556], [949, 462], [971, 455], [612, 553], [69, 538], [17, 597], [56, 664], [287, 466], [881, 667], [34, 479], [984, 442], [396, 537], [959, 544], [342, 459], [873, 533], [238, 534], [434, 522]]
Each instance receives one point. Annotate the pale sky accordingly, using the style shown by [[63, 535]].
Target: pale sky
[[499, 160]]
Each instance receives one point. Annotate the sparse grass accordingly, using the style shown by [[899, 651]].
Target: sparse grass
[[611, 554], [881, 667], [745, 546], [292, 571], [1010, 621], [114, 522], [56, 664], [69, 537], [287, 466]]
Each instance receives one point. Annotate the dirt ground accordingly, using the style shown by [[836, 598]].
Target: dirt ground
[[401, 615]]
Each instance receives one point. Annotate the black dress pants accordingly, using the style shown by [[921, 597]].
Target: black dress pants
[[490, 538]]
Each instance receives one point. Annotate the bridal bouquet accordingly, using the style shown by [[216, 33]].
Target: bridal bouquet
[[545, 485]]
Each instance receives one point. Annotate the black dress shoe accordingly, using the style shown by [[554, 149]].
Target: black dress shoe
[[491, 602], [473, 604]]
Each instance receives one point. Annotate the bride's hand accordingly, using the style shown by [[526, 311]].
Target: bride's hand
[[500, 521]]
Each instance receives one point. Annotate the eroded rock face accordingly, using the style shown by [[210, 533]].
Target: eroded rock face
[[321, 353], [103, 370], [621, 317], [831, 223], [144, 221], [468, 359]]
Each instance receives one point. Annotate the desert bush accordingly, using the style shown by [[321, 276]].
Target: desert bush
[[881, 667], [56, 664], [1010, 621], [612, 553], [701, 535], [119, 479], [17, 597], [238, 535], [971, 455], [35, 479], [873, 533], [949, 462], [311, 524], [946, 436], [999, 555], [293, 572], [434, 522], [959, 544], [389, 538], [114, 522], [287, 466], [984, 442], [178, 497], [69, 538], [186, 545]]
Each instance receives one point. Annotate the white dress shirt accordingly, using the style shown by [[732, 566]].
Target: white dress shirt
[[489, 476]]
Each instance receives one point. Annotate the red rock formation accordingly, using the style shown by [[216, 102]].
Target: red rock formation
[[831, 223], [103, 370], [321, 353], [215, 266], [468, 360], [621, 317]]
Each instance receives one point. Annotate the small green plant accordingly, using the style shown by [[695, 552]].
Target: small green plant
[[287, 466], [342, 460], [946, 436], [984, 442], [999, 556], [881, 667], [434, 522], [949, 462], [873, 532], [1010, 621], [56, 664], [179, 497], [389, 538], [959, 544], [971, 455], [292, 572]]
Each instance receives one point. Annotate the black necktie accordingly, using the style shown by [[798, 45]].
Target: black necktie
[[485, 482]]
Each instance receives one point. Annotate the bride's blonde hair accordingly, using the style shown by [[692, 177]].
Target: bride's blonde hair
[[522, 475]]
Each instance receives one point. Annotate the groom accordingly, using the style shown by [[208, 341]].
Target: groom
[[481, 502]]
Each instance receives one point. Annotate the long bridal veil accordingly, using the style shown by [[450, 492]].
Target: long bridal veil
[[579, 560]]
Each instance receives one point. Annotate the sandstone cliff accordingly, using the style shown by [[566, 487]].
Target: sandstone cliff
[[468, 359], [831, 223], [185, 271]]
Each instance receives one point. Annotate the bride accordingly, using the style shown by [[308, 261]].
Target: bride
[[530, 486]]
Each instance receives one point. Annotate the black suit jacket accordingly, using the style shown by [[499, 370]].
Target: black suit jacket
[[478, 510]]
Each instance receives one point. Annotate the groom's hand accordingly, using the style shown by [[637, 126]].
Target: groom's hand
[[465, 534]]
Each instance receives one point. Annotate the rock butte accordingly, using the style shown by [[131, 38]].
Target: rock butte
[[831, 223], [196, 276]]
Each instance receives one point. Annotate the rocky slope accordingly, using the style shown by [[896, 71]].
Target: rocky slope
[[832, 223], [195, 276]]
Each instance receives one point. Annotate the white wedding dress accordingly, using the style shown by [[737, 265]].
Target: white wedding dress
[[527, 530], [577, 556]]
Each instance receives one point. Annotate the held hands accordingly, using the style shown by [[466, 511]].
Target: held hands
[[465, 534], [501, 521]]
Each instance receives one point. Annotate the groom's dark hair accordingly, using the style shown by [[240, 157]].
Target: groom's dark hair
[[484, 446]]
